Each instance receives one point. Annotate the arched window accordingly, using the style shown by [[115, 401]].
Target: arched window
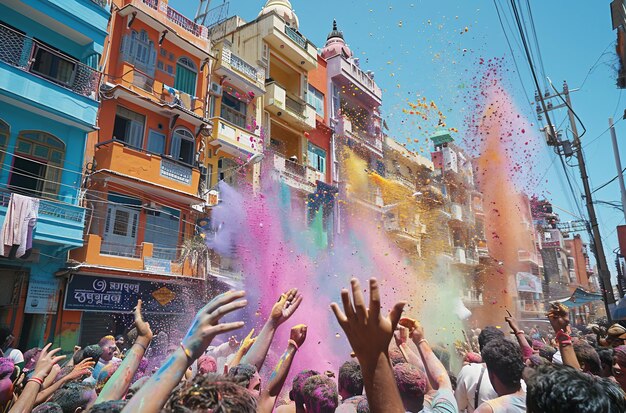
[[186, 76], [37, 164], [183, 146], [5, 134]]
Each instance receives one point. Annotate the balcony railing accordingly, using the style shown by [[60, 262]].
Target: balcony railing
[[153, 4], [29, 55], [295, 36], [49, 208], [294, 106], [102, 3], [121, 250], [232, 116], [242, 66], [184, 22]]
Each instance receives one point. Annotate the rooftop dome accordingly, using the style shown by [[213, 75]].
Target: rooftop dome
[[335, 44], [283, 9]]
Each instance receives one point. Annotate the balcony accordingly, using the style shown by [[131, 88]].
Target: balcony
[[238, 72], [143, 258], [58, 223], [143, 90], [531, 307], [292, 109], [234, 138], [288, 42], [456, 211], [181, 31], [142, 167], [466, 256], [33, 72], [296, 175], [369, 140], [472, 298], [526, 256], [348, 74], [409, 232]]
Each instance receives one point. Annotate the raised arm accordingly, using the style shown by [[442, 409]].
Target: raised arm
[[437, 374], [154, 394], [267, 398], [83, 368], [369, 334], [560, 323], [527, 350], [287, 304], [243, 349], [401, 336], [26, 401], [117, 386]]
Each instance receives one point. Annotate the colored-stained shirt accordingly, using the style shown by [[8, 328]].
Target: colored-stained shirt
[[510, 403], [442, 401]]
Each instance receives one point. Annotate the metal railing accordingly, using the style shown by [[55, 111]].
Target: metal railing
[[182, 21], [31, 56], [102, 3], [294, 106], [121, 250], [50, 208], [170, 254], [242, 66], [232, 116], [153, 4], [295, 36]]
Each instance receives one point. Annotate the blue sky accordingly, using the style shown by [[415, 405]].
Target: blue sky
[[430, 48]]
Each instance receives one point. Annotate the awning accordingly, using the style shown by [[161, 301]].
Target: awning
[[579, 298]]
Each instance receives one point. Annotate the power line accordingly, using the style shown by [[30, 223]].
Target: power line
[[607, 183]]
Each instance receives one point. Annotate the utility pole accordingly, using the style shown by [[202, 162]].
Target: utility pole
[[597, 247], [618, 164]]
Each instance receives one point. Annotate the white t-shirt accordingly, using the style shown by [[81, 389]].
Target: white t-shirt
[[511, 403], [466, 383], [14, 354]]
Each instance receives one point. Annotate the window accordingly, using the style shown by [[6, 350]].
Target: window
[[227, 171], [183, 146], [233, 110], [37, 164], [156, 142], [317, 158], [162, 230], [128, 127], [315, 98], [5, 134], [138, 49], [53, 65], [186, 76]]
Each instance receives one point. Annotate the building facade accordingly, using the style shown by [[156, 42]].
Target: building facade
[[49, 82]]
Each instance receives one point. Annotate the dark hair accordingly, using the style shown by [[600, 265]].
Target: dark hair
[[216, 392], [505, 361], [92, 352], [547, 352], [4, 333], [48, 407], [606, 357], [297, 386], [563, 389], [72, 396], [363, 406], [111, 406], [396, 356], [588, 356], [242, 374], [351, 378], [411, 382], [320, 394], [487, 334]]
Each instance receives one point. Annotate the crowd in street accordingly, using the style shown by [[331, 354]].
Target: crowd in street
[[393, 367]]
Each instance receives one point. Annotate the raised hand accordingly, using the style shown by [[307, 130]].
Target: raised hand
[[368, 332], [143, 328], [206, 325], [401, 335], [248, 341], [558, 316], [46, 361], [232, 342], [298, 334], [84, 368], [512, 323], [287, 304], [416, 331]]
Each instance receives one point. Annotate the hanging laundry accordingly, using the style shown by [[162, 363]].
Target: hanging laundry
[[16, 237]]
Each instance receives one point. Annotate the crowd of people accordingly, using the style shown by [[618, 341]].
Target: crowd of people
[[393, 367]]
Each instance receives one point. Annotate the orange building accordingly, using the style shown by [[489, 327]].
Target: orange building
[[148, 180]]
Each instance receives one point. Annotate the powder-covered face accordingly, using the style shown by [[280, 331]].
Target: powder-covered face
[[255, 385], [108, 349]]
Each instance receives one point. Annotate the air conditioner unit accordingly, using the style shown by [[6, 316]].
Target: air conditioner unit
[[216, 89]]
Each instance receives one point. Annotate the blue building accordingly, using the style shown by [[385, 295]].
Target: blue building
[[49, 56]]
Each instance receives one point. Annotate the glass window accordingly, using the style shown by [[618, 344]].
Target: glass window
[[186, 76], [138, 49], [233, 110], [317, 158], [156, 142], [128, 127], [183, 146], [162, 230], [315, 98], [53, 65]]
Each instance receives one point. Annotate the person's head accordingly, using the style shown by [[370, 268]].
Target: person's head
[[396, 356], [606, 361], [363, 406], [505, 365], [488, 334], [48, 407], [111, 406], [120, 341], [616, 335], [412, 386], [211, 392], [619, 366], [6, 338], [107, 344], [206, 364], [297, 386], [93, 352], [562, 389], [6, 384], [350, 380], [587, 357], [247, 376], [547, 352], [30, 358], [320, 395], [74, 397]]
